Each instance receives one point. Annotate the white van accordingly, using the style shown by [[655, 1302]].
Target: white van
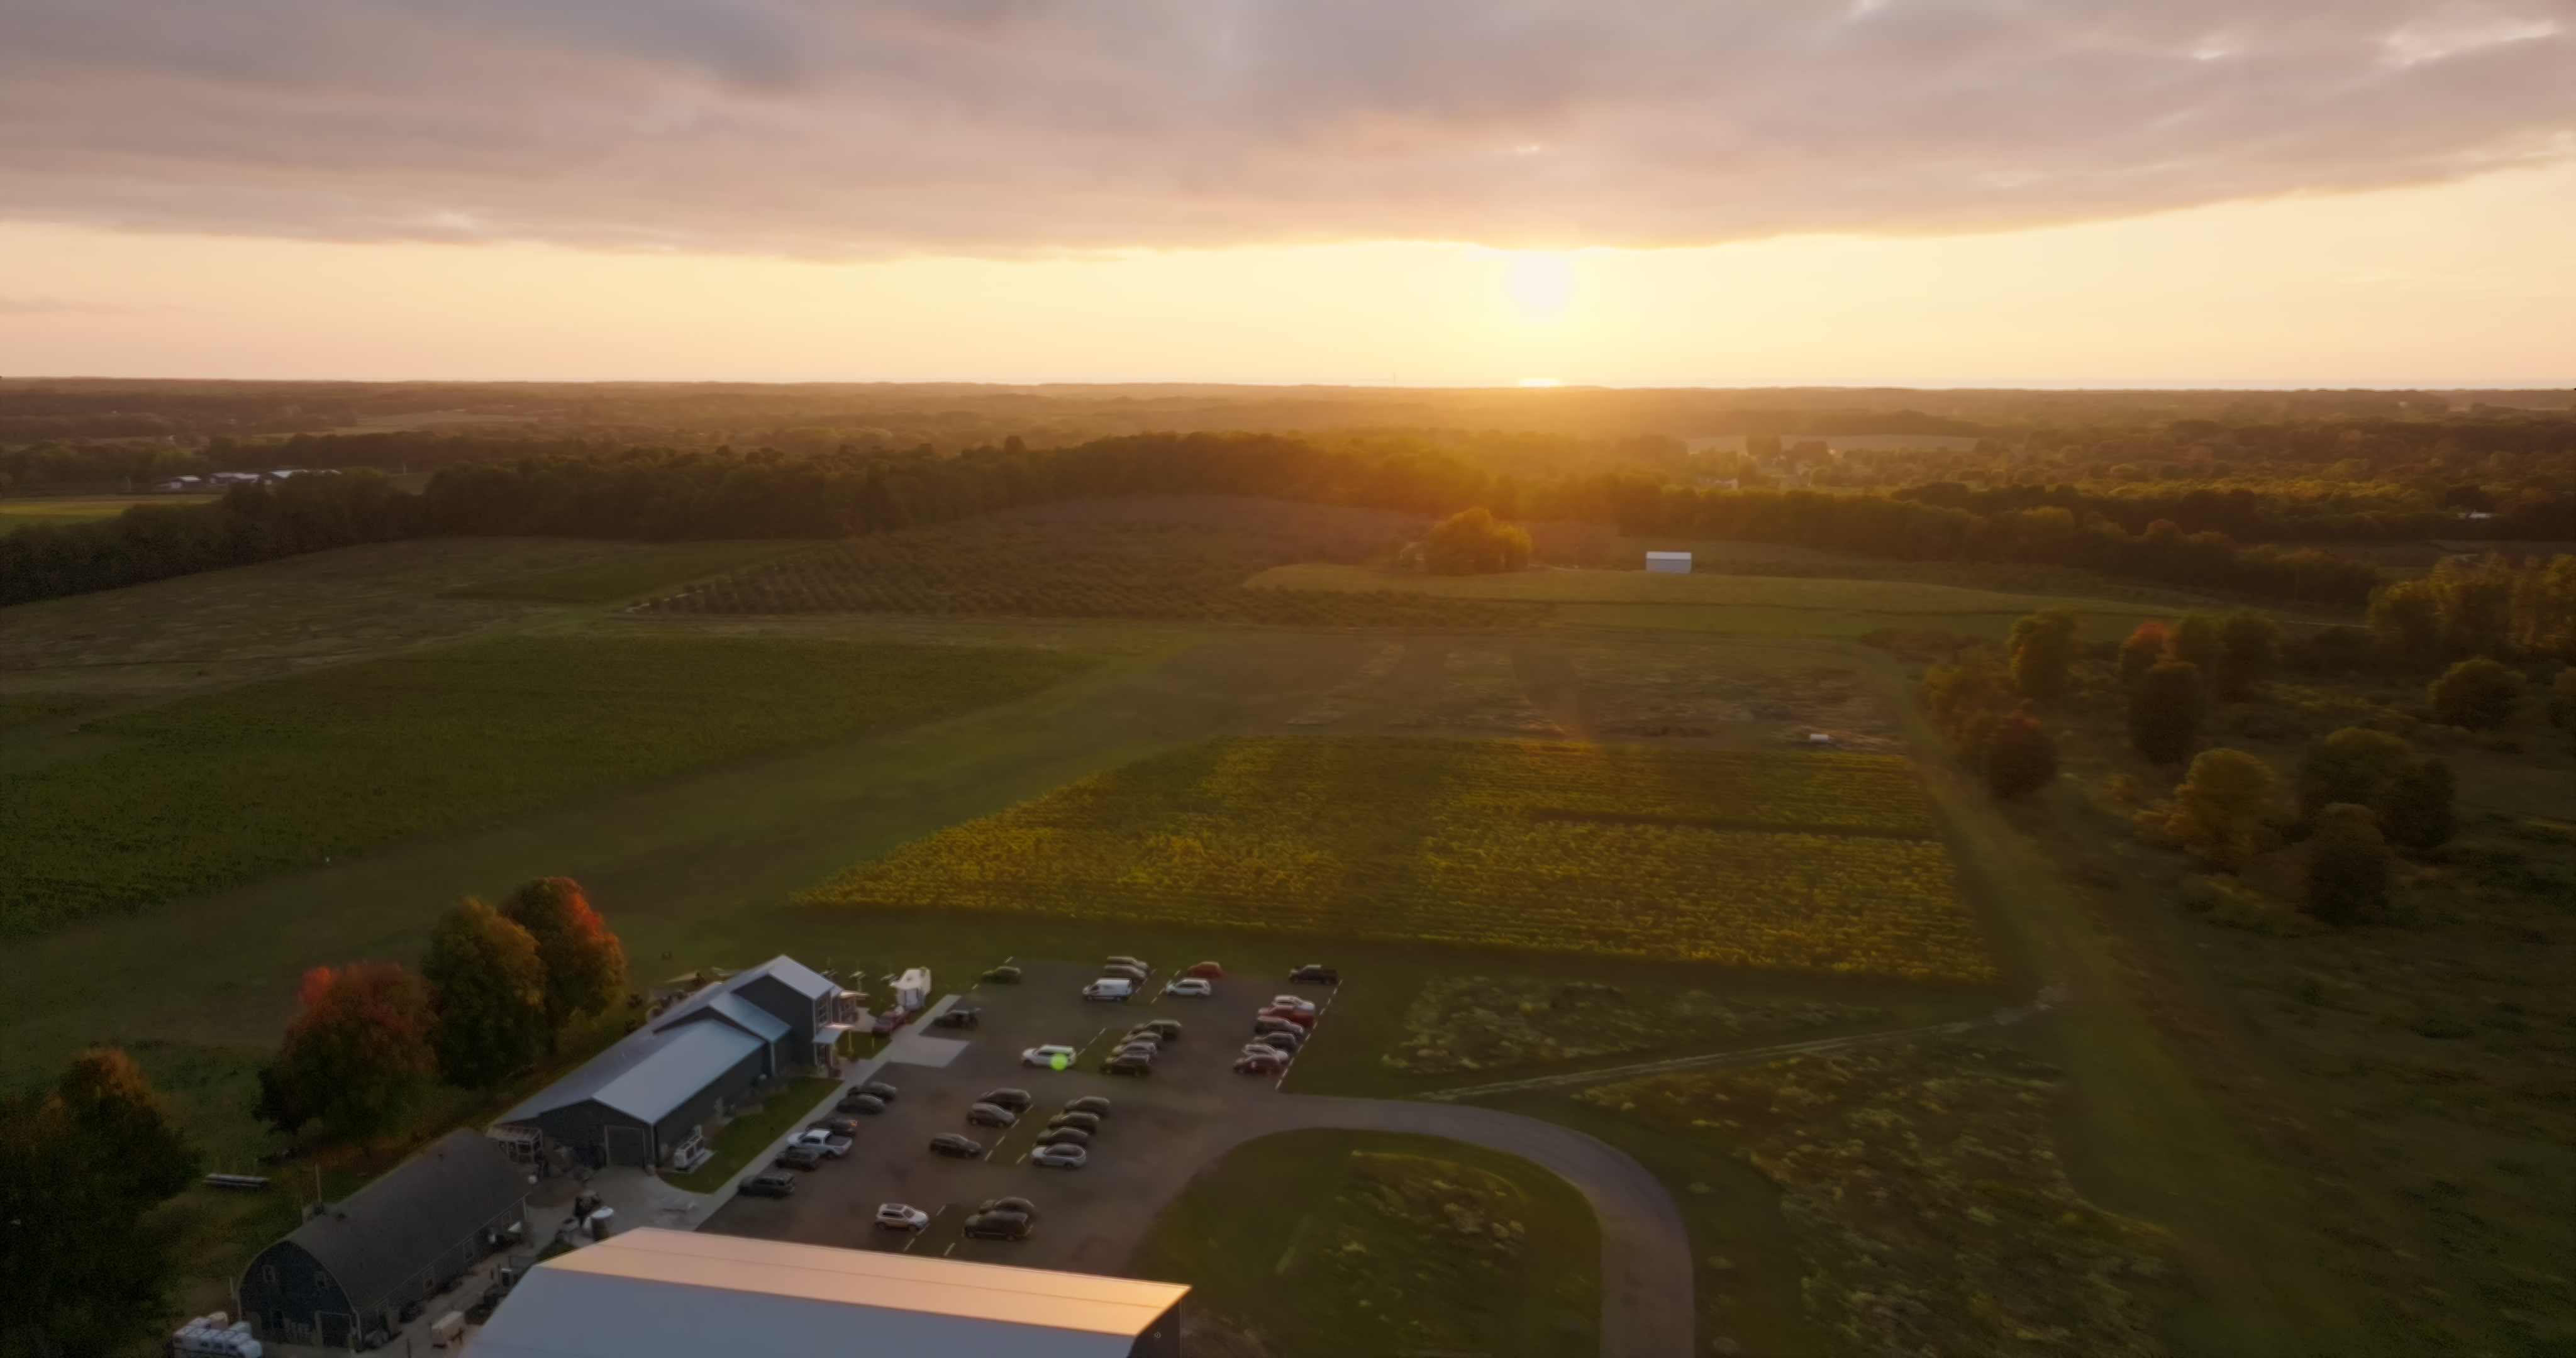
[[1109, 988]]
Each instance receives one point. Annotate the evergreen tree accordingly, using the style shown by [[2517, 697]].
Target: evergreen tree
[[81, 1164], [2250, 650], [2165, 711], [2477, 693], [2042, 647], [2197, 640], [585, 964], [488, 996], [2419, 812], [2141, 651], [2347, 867], [357, 1053], [2222, 811], [2020, 756], [2355, 764]]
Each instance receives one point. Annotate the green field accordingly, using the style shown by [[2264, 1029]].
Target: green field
[[1801, 860], [1640, 587], [293, 773], [629, 574], [1359, 1243], [17, 514]]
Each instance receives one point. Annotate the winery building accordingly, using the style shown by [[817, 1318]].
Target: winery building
[[349, 1270], [649, 1099]]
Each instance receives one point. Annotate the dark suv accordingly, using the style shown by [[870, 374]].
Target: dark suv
[[1313, 974], [999, 1226]]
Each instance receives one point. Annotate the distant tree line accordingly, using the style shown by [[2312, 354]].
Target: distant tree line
[[668, 495], [2246, 514]]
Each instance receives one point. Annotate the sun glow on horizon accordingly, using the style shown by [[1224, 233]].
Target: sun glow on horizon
[[1543, 283], [1538, 383]]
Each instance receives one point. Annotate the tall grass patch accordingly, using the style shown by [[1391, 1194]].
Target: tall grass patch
[[233, 786]]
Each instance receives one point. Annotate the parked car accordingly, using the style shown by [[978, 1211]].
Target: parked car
[[1128, 1064], [990, 1115], [1135, 1051], [1167, 1029], [1109, 988], [1017, 1100], [1297, 1002], [895, 1216], [1302, 1018], [1122, 960], [1189, 988], [1249, 1064], [840, 1126], [1141, 1037], [876, 1089], [825, 1140], [1136, 974], [1095, 1104], [1272, 1023], [1286, 1042], [1022, 1206], [998, 1226], [1060, 1157], [1315, 974], [868, 1104], [1205, 971], [958, 1018], [1265, 1049], [1086, 1120], [1054, 1057], [800, 1156], [1065, 1136], [956, 1147], [768, 1184], [1003, 976]]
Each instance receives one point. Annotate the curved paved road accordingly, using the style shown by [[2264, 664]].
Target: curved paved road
[[1647, 1306]]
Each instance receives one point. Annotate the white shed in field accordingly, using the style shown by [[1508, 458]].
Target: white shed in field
[[1669, 563]]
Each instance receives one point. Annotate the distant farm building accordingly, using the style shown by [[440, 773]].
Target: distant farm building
[[351, 1268], [1669, 563], [648, 1099], [673, 1294]]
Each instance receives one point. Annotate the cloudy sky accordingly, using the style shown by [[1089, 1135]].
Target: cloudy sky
[[1932, 191]]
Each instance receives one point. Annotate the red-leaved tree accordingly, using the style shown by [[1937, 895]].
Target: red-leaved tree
[[585, 964], [357, 1054]]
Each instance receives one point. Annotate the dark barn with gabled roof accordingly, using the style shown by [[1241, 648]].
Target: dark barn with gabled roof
[[348, 1271]]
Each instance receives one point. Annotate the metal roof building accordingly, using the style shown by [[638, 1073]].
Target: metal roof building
[[344, 1273], [641, 1100], [674, 1294]]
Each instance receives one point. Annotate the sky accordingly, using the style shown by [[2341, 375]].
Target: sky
[[1433, 192]]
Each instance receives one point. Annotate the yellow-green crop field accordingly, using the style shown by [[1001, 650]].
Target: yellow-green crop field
[[1793, 859], [227, 787]]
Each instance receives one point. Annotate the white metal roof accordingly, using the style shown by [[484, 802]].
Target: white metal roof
[[674, 1294], [647, 1074]]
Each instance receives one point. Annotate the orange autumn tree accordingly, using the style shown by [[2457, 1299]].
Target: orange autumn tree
[[585, 965], [357, 1054]]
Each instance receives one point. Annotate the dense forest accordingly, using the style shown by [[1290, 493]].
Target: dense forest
[[664, 495], [2272, 495]]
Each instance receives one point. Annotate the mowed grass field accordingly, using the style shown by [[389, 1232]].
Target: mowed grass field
[[632, 573], [1365, 1243], [1795, 860], [219, 789], [17, 514]]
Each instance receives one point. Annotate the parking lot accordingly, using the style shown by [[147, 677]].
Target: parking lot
[[1162, 1127]]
